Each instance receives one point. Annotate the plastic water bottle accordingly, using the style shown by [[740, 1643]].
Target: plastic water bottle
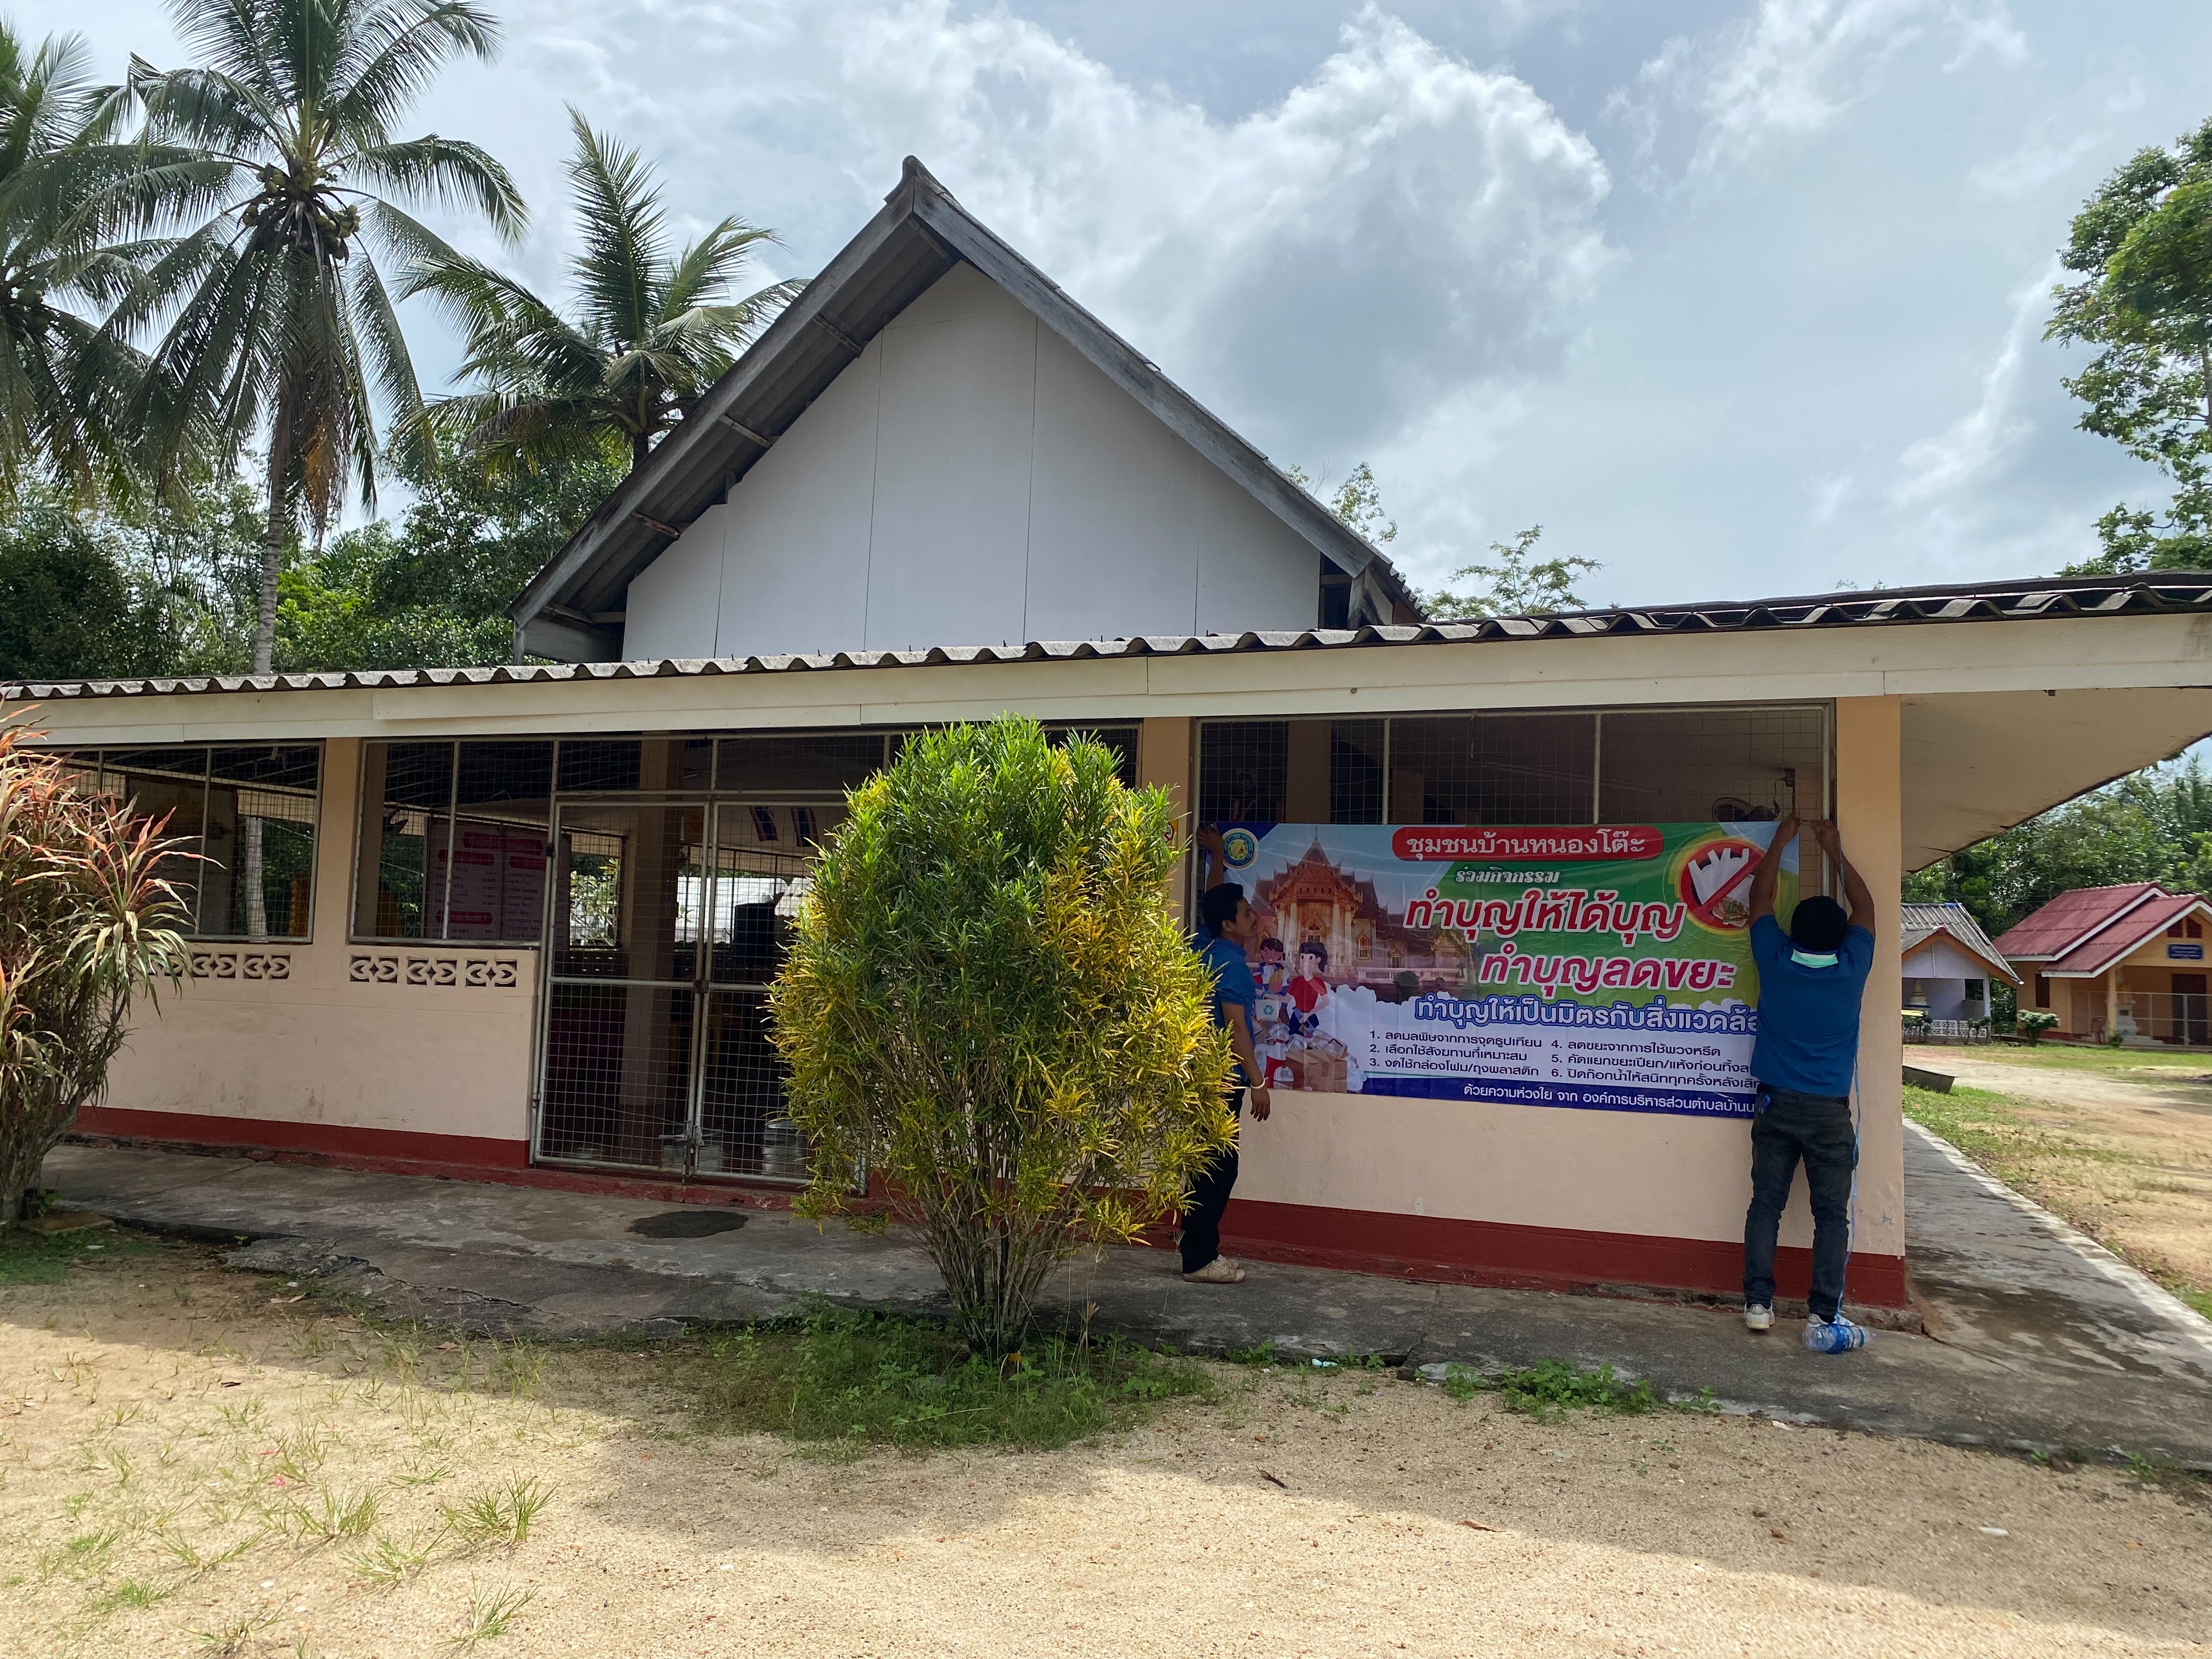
[[1837, 1335]]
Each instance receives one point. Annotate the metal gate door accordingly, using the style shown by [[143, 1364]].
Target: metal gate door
[[668, 922]]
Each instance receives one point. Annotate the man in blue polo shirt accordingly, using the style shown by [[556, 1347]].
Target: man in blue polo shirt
[[1811, 981]]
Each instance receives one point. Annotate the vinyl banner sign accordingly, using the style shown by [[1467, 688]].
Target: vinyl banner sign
[[1603, 966]]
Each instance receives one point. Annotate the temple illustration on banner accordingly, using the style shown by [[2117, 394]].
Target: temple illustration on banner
[[1315, 902]]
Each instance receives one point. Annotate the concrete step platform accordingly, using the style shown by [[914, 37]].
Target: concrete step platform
[[2035, 1343]]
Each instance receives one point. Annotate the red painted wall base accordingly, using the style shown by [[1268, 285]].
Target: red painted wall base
[[1537, 1258], [400, 1152], [1432, 1248]]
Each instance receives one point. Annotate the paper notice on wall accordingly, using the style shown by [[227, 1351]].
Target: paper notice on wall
[[498, 888], [1601, 967]]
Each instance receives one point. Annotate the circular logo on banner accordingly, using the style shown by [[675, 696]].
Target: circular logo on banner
[[1239, 848], [1713, 880]]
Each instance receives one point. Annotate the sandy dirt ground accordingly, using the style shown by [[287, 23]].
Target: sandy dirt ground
[[177, 1443], [2153, 1112]]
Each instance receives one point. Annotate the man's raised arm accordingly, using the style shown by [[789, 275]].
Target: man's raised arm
[[1770, 868]]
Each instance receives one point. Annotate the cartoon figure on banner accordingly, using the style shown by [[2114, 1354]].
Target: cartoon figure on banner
[[1271, 973], [1309, 991]]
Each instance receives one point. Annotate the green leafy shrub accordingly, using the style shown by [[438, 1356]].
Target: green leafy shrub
[[989, 1008], [87, 923], [2032, 1023]]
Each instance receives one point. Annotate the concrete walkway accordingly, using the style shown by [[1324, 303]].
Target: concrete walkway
[[2038, 1340]]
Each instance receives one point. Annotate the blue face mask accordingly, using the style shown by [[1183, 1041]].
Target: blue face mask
[[1814, 958]]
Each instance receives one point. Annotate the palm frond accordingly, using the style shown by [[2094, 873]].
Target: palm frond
[[448, 173], [617, 270], [391, 55]]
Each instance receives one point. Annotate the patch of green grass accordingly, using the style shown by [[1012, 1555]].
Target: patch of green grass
[[854, 1379], [1987, 1127], [1264, 1354], [2200, 1300], [1991, 1129], [489, 1614], [388, 1563], [491, 1515], [2069, 1057], [1551, 1388], [27, 1259], [131, 1593]]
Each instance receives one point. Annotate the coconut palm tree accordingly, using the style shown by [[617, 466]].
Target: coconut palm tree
[[652, 331], [280, 323], [68, 191]]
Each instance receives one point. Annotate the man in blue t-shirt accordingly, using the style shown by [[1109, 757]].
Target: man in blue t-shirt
[[1811, 981], [1226, 931]]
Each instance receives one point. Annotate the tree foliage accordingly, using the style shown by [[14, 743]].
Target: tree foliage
[[2155, 825], [136, 589], [653, 330], [1517, 584], [990, 1007], [2141, 249], [280, 323], [1358, 500], [433, 592], [71, 193], [88, 924]]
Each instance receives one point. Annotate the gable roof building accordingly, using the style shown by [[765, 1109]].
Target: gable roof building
[[935, 445], [936, 490], [2127, 959], [2082, 932], [1928, 928]]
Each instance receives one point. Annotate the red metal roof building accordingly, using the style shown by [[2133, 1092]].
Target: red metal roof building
[[2127, 959]]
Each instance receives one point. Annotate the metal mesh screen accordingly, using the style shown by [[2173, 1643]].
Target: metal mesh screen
[[1684, 765], [741, 1093], [1355, 759], [170, 785], [1493, 768], [598, 765], [243, 818], [1243, 771], [409, 788], [495, 876], [806, 764], [257, 881], [617, 1082]]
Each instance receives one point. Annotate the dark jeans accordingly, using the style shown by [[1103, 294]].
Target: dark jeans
[[1817, 1129], [1209, 1197]]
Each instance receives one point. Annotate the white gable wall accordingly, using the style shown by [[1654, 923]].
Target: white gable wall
[[971, 480], [1940, 958]]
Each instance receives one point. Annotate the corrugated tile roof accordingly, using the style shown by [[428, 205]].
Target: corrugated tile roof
[[2073, 916], [2124, 934], [2164, 592]]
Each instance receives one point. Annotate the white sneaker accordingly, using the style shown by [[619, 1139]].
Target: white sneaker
[[1758, 1316], [1219, 1271]]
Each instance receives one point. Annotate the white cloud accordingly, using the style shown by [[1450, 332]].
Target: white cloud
[[1791, 68], [1986, 436], [1399, 223]]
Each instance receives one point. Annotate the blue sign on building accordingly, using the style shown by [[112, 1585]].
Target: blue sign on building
[[2186, 952]]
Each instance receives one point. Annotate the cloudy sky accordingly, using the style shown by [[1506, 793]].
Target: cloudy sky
[[1737, 298]]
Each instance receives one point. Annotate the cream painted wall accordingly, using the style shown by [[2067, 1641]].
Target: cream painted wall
[[1869, 805], [970, 479], [322, 1048]]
